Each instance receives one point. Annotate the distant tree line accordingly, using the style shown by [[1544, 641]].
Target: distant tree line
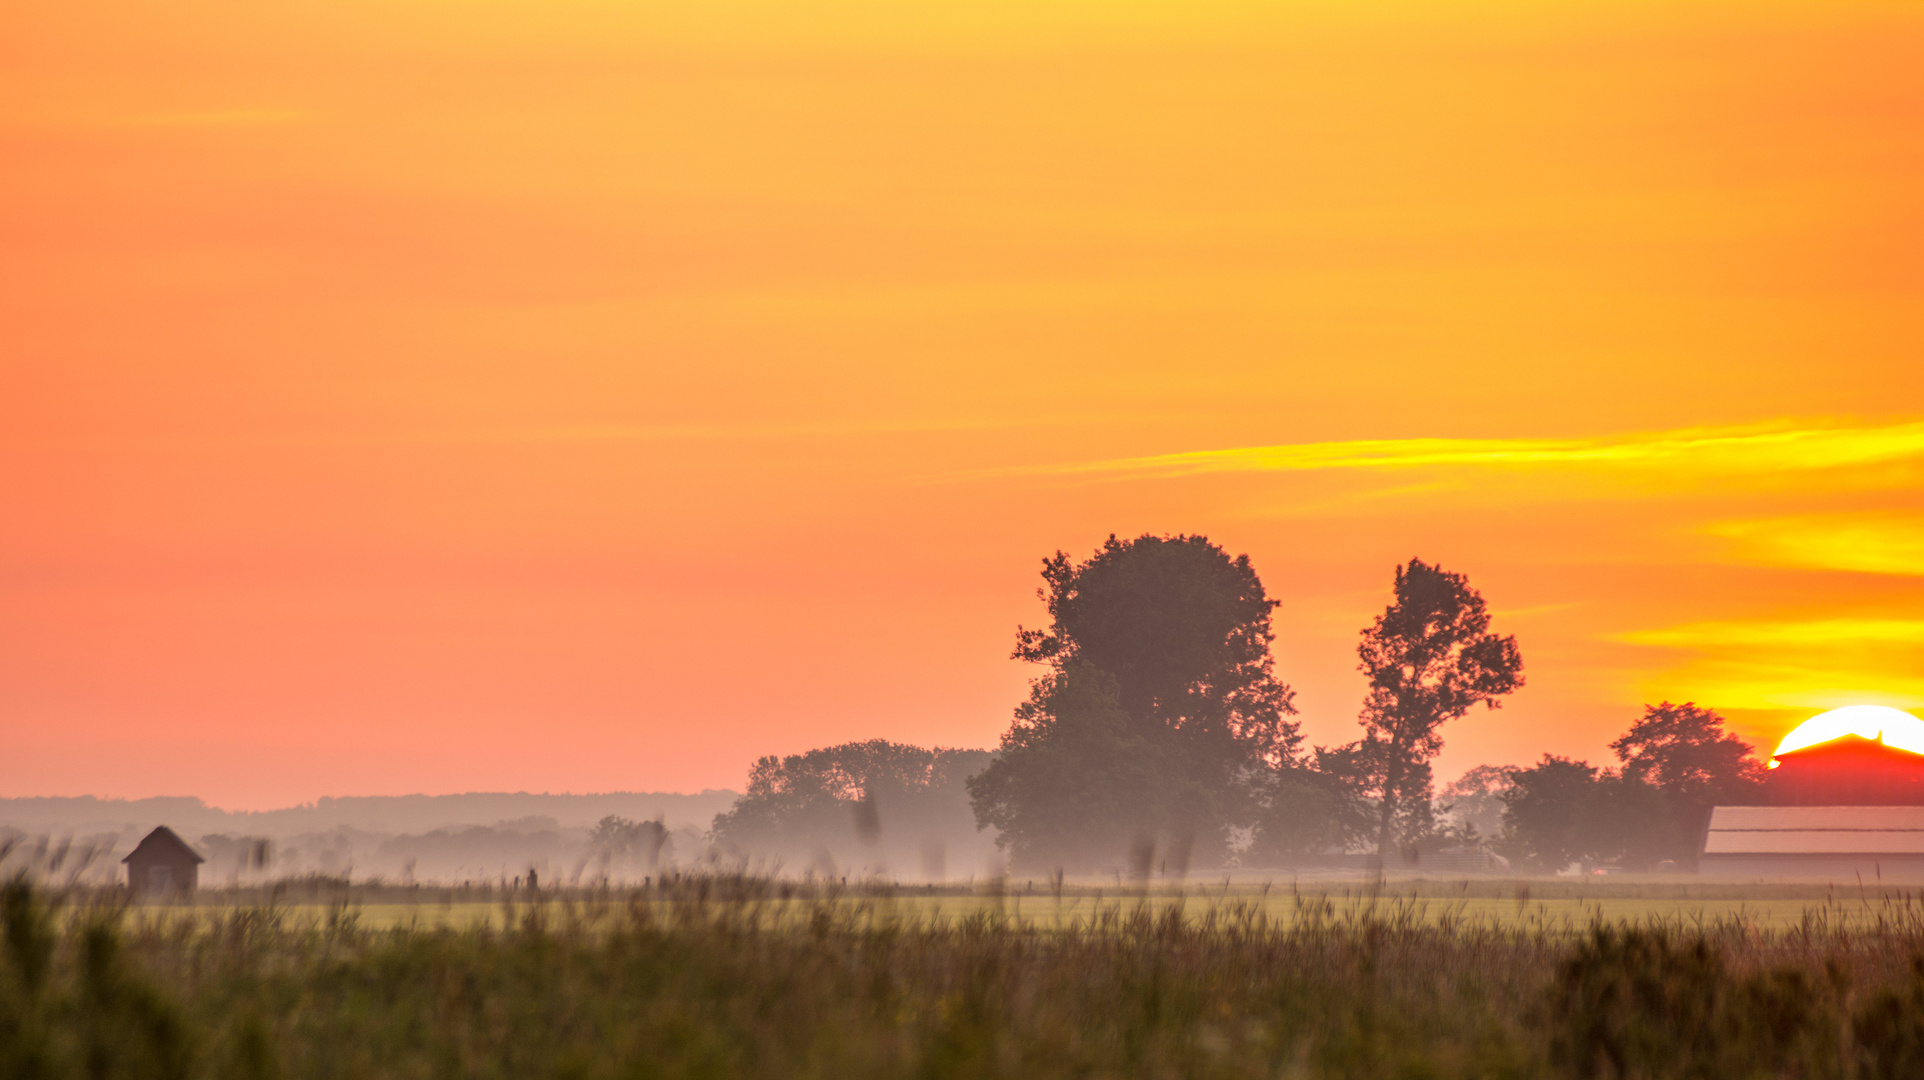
[[1650, 810], [618, 844], [1159, 737], [874, 807], [1647, 812]]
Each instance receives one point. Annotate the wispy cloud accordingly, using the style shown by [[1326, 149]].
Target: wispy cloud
[[1841, 633], [1769, 685], [1756, 449], [1868, 543], [1807, 664]]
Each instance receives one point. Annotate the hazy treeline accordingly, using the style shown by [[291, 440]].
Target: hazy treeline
[[871, 809], [1646, 812], [1157, 740], [369, 813], [1649, 811], [1160, 739]]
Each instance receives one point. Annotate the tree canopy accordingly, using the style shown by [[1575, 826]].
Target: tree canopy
[[1305, 811], [638, 844], [1677, 762], [875, 800], [1430, 658], [1183, 629], [1684, 752], [1556, 813], [1076, 776], [1159, 708]]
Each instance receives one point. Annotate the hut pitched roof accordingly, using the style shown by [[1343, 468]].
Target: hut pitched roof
[[163, 843]]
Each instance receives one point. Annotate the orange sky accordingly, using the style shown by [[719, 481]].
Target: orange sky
[[433, 396]]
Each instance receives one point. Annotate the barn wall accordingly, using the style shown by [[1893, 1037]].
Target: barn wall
[[1833, 866]]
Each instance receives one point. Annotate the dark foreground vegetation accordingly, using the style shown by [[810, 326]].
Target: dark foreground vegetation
[[725, 978]]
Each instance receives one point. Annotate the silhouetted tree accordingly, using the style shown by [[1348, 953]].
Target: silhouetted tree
[[1429, 658], [1678, 762], [1684, 754], [1550, 812], [1183, 630], [1161, 690], [1076, 775], [1561, 812]]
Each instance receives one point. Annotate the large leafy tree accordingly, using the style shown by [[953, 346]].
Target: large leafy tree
[[1183, 629], [1685, 752], [1076, 777], [1430, 658], [1161, 693], [1686, 757], [1561, 812], [1554, 813]]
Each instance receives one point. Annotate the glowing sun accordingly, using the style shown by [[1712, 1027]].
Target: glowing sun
[[1895, 726]]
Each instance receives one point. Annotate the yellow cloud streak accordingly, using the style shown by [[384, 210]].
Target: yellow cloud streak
[[1878, 544], [1706, 450], [1806, 664], [1815, 632], [1784, 687]]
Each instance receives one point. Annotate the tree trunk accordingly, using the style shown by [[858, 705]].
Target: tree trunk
[[1392, 781]]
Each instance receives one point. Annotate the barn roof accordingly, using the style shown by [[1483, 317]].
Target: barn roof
[[1852, 746], [1824, 830], [162, 843]]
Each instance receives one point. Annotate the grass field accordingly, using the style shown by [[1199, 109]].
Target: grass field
[[1568, 905], [739, 977]]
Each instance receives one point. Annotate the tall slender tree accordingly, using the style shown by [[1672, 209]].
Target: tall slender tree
[[1430, 658]]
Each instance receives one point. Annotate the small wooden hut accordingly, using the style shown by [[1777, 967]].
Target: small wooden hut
[[162, 866]]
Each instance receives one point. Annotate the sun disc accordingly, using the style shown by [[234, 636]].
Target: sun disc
[[1895, 727]]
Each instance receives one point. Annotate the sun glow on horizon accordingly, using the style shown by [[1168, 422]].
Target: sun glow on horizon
[[1893, 727]]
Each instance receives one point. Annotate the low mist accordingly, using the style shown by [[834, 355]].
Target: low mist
[[411, 838]]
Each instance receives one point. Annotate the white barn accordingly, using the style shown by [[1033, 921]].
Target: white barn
[[1838, 842]]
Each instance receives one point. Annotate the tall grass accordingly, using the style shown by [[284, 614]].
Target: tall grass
[[738, 977]]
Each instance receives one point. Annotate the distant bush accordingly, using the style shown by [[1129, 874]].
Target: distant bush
[[875, 807]]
